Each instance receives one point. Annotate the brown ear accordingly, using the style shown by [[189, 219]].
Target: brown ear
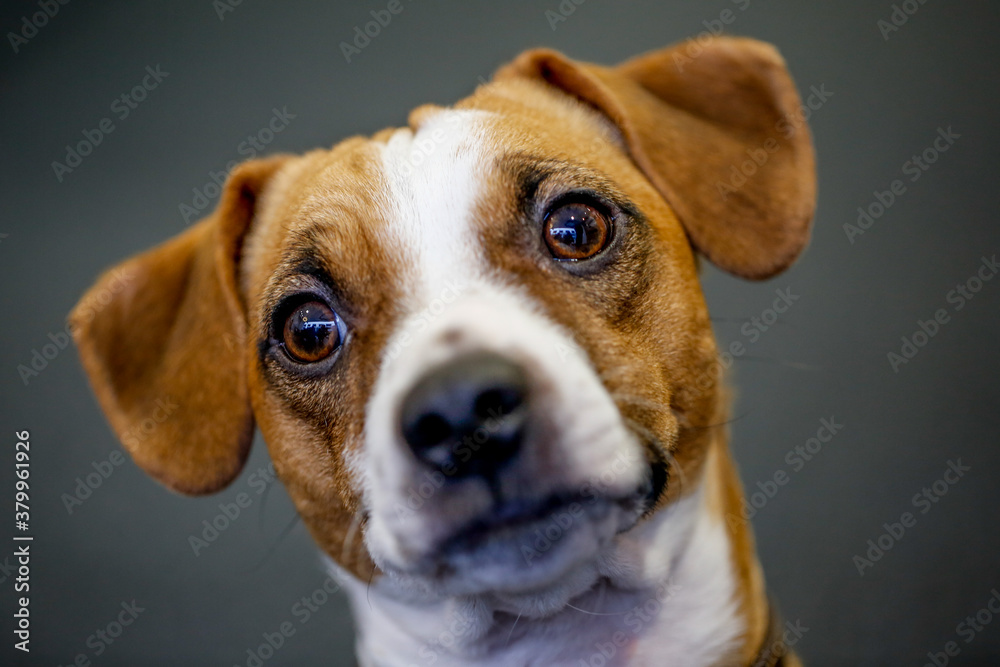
[[162, 338], [716, 127]]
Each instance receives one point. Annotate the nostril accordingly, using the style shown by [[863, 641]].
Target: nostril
[[430, 429], [497, 402]]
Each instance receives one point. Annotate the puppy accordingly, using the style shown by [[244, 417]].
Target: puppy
[[480, 356]]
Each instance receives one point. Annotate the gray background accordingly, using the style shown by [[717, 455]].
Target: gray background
[[826, 356]]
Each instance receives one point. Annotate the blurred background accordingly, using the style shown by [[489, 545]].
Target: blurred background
[[909, 93]]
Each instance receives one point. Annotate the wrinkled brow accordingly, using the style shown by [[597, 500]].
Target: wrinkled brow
[[532, 175]]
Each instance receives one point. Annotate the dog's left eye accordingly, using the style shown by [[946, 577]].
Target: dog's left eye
[[312, 332], [576, 231]]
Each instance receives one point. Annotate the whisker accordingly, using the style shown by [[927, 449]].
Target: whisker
[[780, 362], [742, 320], [263, 505], [705, 427], [274, 545], [640, 401], [641, 429], [351, 534], [512, 630], [595, 613], [368, 589]]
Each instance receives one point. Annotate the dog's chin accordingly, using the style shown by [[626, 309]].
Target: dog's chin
[[527, 560]]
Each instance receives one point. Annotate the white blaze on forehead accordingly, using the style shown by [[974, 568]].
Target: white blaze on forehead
[[435, 177]]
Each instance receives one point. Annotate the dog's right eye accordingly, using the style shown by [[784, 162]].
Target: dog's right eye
[[312, 332], [576, 231]]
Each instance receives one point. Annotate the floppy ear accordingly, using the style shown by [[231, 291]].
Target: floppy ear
[[716, 127], [162, 338]]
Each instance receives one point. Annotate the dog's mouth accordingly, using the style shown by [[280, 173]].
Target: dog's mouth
[[521, 545], [510, 519]]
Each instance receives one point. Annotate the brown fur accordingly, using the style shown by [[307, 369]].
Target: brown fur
[[193, 322]]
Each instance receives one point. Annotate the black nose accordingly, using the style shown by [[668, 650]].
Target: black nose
[[467, 416]]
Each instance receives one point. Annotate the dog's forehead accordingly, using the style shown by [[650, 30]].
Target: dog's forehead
[[408, 205], [385, 215], [435, 176], [452, 171]]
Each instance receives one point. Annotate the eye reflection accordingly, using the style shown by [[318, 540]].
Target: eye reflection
[[312, 332], [576, 231]]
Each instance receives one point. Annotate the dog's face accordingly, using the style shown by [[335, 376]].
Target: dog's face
[[477, 346], [505, 332]]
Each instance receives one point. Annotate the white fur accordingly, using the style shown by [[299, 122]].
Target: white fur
[[518, 616], [678, 601]]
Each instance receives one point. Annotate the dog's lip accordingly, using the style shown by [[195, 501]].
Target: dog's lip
[[506, 551], [656, 486], [503, 548], [519, 513], [509, 515], [513, 516]]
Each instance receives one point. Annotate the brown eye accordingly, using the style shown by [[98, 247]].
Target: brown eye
[[576, 231], [312, 332]]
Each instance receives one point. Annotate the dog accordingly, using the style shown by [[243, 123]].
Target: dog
[[480, 356]]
